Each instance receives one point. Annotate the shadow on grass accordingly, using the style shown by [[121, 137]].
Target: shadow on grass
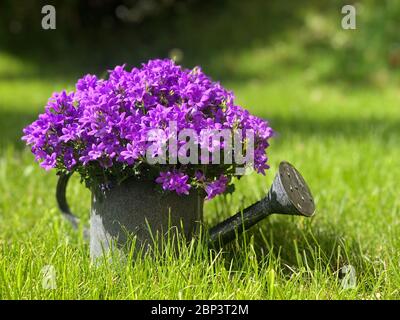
[[298, 248]]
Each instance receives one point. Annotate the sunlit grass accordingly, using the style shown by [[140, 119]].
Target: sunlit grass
[[343, 136]]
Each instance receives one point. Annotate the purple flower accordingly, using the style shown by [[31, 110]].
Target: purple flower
[[49, 161], [199, 175], [216, 187], [96, 151], [87, 82], [70, 132], [130, 154], [174, 181], [69, 159]]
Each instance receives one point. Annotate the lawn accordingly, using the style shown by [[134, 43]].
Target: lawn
[[336, 109]]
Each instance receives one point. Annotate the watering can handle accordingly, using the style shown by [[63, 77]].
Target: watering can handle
[[62, 200]]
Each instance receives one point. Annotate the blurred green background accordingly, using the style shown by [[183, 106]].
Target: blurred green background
[[331, 94], [276, 50]]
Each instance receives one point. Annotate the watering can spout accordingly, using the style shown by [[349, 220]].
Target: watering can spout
[[289, 194]]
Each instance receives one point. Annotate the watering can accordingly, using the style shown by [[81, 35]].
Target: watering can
[[134, 208]]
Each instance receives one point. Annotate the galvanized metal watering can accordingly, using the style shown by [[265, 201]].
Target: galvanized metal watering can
[[133, 208]]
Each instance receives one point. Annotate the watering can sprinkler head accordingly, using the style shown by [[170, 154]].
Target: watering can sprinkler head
[[289, 194]]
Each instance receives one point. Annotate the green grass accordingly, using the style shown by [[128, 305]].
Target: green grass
[[339, 124]]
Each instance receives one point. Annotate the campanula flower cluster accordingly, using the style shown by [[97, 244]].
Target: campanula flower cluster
[[101, 128]]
